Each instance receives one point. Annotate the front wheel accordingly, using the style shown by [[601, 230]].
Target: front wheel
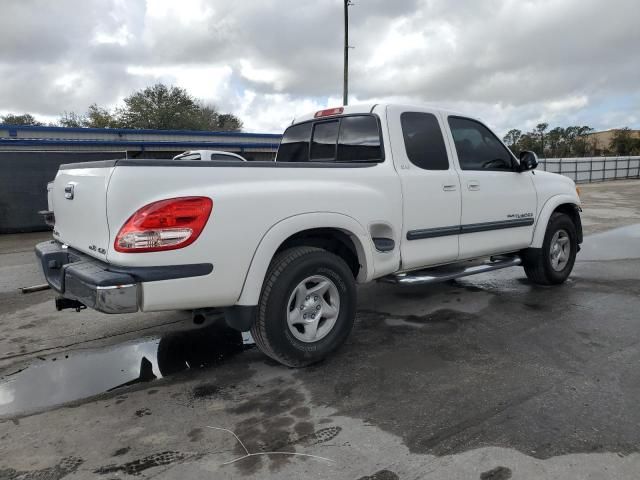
[[552, 264], [307, 306]]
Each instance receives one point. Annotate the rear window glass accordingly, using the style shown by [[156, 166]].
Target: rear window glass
[[222, 156], [423, 141], [192, 156], [323, 144], [359, 139], [354, 138], [294, 146]]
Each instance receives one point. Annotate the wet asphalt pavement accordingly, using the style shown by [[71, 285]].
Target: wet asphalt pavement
[[488, 377]]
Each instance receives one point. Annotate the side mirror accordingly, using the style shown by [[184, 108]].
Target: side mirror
[[528, 160]]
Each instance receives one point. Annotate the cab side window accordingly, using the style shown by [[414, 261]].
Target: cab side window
[[477, 147], [423, 141], [359, 139]]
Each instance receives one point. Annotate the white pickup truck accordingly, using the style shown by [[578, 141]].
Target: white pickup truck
[[400, 194]]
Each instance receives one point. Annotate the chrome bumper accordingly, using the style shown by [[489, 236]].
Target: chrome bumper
[[79, 277]]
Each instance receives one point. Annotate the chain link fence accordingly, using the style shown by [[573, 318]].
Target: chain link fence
[[593, 169]]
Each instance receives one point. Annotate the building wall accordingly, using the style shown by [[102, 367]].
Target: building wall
[[23, 185], [603, 139], [30, 157], [137, 143]]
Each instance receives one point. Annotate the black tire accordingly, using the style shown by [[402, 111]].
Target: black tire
[[537, 262], [288, 269]]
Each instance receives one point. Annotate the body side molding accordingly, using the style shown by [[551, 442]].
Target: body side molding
[[470, 228]]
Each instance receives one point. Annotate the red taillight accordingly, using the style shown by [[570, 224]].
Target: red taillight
[[164, 225], [329, 112]]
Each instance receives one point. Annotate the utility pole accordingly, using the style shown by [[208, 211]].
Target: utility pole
[[345, 86]]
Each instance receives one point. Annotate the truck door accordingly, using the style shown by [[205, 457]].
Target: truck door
[[430, 187], [498, 202]]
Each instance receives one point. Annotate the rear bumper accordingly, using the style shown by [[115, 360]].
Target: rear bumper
[[99, 285], [79, 277]]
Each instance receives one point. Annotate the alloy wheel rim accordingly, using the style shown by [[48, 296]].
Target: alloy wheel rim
[[560, 250], [313, 308]]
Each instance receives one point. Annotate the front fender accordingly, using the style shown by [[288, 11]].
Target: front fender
[[284, 229], [545, 214]]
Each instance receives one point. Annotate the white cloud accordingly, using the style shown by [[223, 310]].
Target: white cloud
[[208, 83], [68, 81], [262, 75], [186, 12], [121, 37], [274, 112], [567, 104]]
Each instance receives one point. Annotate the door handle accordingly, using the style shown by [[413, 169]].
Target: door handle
[[449, 188], [473, 186], [68, 191]]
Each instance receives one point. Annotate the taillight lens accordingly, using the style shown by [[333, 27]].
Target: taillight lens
[[165, 225]]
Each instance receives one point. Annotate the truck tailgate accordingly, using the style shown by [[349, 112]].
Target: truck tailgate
[[79, 199]]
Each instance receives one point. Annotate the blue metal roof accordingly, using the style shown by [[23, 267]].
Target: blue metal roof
[[130, 131], [129, 143]]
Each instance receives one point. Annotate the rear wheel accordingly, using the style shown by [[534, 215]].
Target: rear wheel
[[552, 264], [307, 306]]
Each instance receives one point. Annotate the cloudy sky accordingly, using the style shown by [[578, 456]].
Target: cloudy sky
[[514, 63]]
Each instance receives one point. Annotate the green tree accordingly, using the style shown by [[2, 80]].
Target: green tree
[[72, 119], [208, 118], [160, 107], [528, 141], [622, 142], [570, 135], [581, 145], [555, 139], [24, 119], [227, 121], [540, 129], [96, 117], [168, 107], [511, 139]]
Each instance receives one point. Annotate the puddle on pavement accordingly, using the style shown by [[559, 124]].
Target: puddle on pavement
[[76, 374], [617, 244]]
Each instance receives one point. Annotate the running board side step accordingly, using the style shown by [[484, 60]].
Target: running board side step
[[420, 277]]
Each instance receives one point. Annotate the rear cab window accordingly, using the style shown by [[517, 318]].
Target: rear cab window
[[350, 138], [323, 141]]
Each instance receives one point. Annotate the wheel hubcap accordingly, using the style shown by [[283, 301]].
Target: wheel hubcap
[[313, 308], [560, 250]]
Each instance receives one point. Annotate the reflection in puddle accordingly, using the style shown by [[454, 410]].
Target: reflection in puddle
[[77, 374], [617, 244]]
